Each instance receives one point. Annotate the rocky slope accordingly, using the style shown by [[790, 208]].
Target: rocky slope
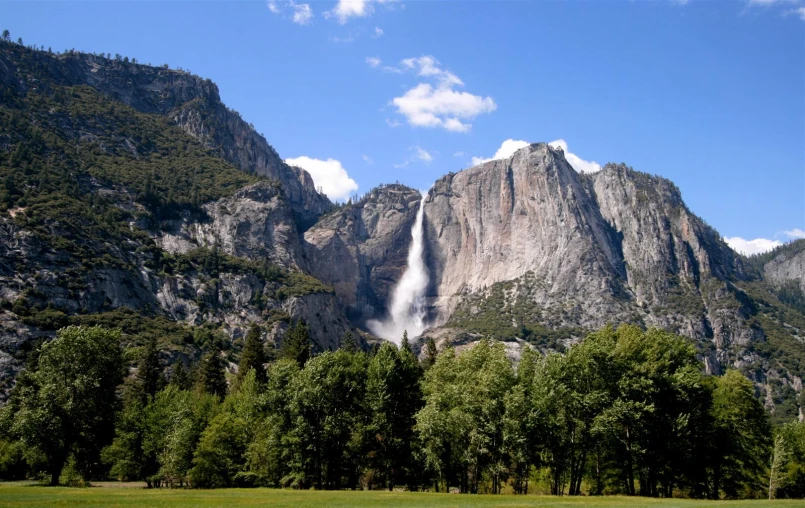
[[131, 196], [191, 102]]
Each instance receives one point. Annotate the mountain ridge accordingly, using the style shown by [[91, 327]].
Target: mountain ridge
[[127, 186]]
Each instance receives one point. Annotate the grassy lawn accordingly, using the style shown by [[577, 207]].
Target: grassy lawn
[[25, 496]]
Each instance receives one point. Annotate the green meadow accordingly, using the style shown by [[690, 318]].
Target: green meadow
[[30, 496]]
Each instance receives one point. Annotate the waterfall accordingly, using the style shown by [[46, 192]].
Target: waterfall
[[407, 310]]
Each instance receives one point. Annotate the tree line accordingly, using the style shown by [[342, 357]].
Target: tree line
[[625, 411]]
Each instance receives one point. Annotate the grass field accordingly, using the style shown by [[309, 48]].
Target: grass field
[[27, 496]]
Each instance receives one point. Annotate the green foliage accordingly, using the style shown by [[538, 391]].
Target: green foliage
[[393, 397], [742, 437], [461, 424], [328, 418], [66, 408], [507, 310]]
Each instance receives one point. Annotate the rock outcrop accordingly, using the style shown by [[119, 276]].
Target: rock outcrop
[[787, 266], [361, 250], [255, 223]]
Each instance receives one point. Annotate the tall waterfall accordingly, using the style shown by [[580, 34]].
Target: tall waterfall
[[407, 310]]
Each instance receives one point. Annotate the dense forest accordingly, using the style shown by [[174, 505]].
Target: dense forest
[[625, 411]]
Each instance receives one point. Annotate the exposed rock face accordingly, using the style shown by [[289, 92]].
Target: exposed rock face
[[192, 102], [528, 213], [255, 223], [362, 249], [788, 265]]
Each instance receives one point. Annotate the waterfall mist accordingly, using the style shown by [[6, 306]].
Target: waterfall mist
[[407, 310]]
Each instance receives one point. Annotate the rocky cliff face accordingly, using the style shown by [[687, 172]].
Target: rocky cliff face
[[361, 250], [529, 213], [255, 223], [787, 266]]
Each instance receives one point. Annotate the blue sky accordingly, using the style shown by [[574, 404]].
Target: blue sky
[[708, 94]]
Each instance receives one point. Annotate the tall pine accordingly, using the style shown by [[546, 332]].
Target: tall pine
[[296, 345], [211, 376], [253, 356]]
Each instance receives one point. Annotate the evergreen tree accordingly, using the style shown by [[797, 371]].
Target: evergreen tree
[[405, 343], [180, 377], [211, 375], [6, 35], [430, 353], [348, 343], [149, 379], [296, 345], [253, 356]]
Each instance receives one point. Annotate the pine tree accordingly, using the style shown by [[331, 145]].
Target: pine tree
[[430, 353], [348, 343], [211, 374], [296, 345], [180, 377], [253, 356], [405, 344], [149, 379]]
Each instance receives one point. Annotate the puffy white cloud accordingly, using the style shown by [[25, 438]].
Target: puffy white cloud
[[800, 11], [273, 7], [328, 175], [439, 104], [302, 13], [373, 62], [506, 150], [579, 164], [795, 233], [750, 247]]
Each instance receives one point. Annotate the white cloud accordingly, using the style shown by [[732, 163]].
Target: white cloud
[[373, 62], [795, 233], [579, 164], [800, 11], [328, 175], [506, 150], [302, 13], [378, 32], [750, 247], [426, 105], [392, 123], [458, 154], [771, 2], [367, 159], [418, 154], [346, 9], [423, 154]]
